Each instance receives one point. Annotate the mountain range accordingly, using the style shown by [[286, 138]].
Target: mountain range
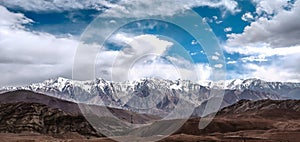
[[30, 116], [159, 96]]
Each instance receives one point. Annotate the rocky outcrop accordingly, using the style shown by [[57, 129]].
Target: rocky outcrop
[[27, 111], [33, 117], [267, 109], [262, 117]]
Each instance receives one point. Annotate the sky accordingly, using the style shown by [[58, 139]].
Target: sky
[[39, 39]]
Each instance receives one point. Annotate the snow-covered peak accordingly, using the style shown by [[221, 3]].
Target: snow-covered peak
[[234, 83], [164, 94], [258, 83], [60, 86]]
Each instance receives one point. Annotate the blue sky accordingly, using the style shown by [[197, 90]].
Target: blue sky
[[259, 38]]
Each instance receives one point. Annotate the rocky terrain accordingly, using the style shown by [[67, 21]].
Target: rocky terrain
[[34, 117], [29, 116], [26, 111], [158, 96]]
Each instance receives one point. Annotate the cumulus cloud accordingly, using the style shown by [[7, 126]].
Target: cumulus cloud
[[56, 5], [247, 17], [270, 64], [270, 45], [272, 72], [123, 7], [28, 56], [12, 20], [275, 64], [165, 70], [142, 8], [281, 30], [146, 56], [262, 50], [270, 6]]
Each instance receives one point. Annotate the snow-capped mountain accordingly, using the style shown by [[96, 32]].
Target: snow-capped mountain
[[119, 94], [285, 89], [156, 95]]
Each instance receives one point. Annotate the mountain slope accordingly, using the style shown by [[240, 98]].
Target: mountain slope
[[257, 121], [272, 109], [24, 110], [285, 89], [153, 96], [34, 117]]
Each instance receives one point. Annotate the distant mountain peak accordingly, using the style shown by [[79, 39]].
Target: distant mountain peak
[[143, 94]]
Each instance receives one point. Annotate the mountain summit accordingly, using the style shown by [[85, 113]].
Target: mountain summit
[[158, 96]]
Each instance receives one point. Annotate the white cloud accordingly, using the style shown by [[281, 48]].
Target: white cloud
[[12, 20], [207, 20], [124, 7], [218, 66], [218, 54], [259, 58], [143, 47], [56, 5], [143, 59], [231, 62], [228, 29], [216, 20], [219, 22], [31, 56], [262, 50], [276, 64], [204, 72], [273, 72], [272, 40], [199, 72], [215, 57], [121, 38], [247, 17], [143, 8], [269, 6], [194, 42], [215, 17], [194, 53], [281, 30]]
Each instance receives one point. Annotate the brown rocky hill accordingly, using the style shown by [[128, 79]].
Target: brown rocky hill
[[26, 111], [34, 117], [266, 109], [254, 121]]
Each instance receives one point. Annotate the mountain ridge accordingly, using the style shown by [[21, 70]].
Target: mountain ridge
[[259, 120], [157, 96]]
